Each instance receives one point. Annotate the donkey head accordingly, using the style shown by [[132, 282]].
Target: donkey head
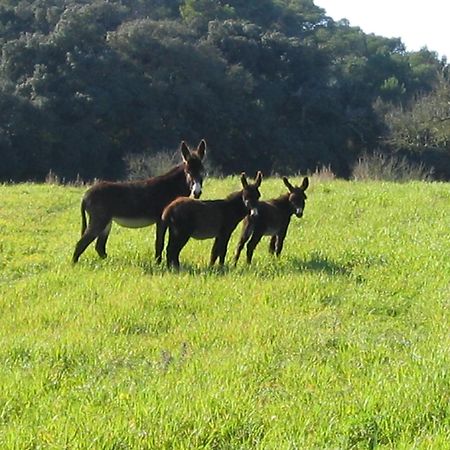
[[193, 166], [297, 196], [250, 193]]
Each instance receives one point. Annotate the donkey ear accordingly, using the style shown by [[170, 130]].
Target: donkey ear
[[305, 184], [287, 184], [258, 179], [185, 151], [244, 180], [201, 149]]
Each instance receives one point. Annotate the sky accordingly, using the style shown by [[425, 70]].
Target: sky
[[418, 23]]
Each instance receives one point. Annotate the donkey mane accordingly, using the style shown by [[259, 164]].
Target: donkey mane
[[233, 196], [178, 169], [280, 201]]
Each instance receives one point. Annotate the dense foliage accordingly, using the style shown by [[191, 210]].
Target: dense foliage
[[271, 84]]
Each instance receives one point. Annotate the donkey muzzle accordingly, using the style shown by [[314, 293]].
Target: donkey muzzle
[[299, 212], [196, 189]]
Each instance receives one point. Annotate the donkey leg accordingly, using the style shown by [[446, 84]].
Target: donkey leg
[[178, 249], [170, 249], [170, 252], [100, 245], [280, 241], [219, 249], [174, 247], [92, 231], [223, 248], [214, 252], [245, 236], [279, 248], [82, 245], [272, 245], [252, 243], [159, 241]]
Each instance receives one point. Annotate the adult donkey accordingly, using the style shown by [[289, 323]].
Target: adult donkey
[[137, 204]]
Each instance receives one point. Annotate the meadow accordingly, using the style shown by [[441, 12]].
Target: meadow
[[342, 343]]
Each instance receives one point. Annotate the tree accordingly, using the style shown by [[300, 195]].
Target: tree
[[422, 131], [272, 84]]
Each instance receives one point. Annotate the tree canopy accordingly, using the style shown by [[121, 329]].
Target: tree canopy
[[274, 85]]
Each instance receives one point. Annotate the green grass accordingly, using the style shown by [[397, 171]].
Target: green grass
[[342, 343]]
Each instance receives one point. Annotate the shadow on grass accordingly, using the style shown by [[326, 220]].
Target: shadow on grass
[[149, 266], [270, 267], [274, 268], [319, 264], [186, 268]]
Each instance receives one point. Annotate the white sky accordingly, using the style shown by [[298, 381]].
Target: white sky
[[418, 23]]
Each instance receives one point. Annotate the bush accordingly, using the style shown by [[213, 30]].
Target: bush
[[139, 166], [379, 166]]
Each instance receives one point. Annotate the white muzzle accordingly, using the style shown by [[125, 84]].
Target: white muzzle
[[196, 189]]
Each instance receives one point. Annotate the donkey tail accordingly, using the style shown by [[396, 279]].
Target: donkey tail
[[83, 217]]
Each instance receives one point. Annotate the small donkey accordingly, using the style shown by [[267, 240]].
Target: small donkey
[[273, 219], [186, 218]]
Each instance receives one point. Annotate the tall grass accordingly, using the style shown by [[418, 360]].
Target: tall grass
[[342, 343]]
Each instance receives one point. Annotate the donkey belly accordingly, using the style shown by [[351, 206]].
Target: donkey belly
[[204, 234], [271, 231], [134, 222], [206, 230]]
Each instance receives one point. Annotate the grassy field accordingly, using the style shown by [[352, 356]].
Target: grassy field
[[342, 343]]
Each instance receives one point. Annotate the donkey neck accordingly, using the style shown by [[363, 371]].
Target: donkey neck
[[161, 190], [235, 205], [174, 180], [176, 173], [282, 202]]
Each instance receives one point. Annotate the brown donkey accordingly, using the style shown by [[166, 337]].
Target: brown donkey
[[273, 219], [137, 204], [207, 219]]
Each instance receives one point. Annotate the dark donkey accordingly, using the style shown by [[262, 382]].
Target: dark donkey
[[207, 219], [273, 220], [137, 204]]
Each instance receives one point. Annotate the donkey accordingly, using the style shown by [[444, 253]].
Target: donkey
[[208, 219], [137, 204], [272, 220]]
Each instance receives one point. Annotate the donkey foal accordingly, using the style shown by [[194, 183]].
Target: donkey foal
[[186, 218], [272, 220]]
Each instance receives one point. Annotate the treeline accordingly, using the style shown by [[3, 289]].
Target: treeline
[[274, 85]]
